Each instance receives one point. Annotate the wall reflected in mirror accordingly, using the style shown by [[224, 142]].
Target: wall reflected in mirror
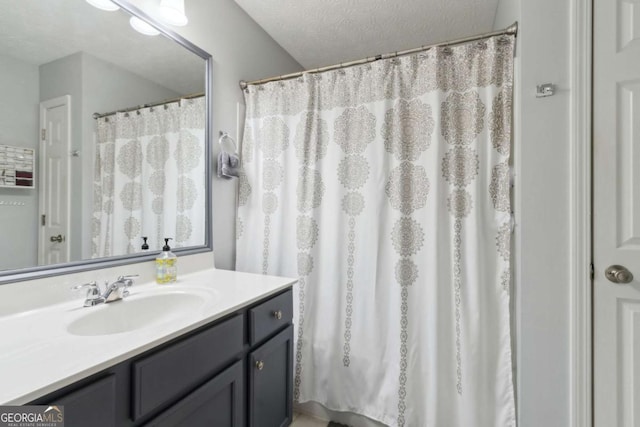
[[106, 172]]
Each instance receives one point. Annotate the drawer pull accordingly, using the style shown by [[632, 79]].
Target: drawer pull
[[260, 365], [277, 314]]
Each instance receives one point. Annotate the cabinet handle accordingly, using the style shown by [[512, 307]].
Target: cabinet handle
[[260, 365], [277, 314]]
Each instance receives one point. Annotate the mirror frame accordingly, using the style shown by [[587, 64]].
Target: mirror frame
[[31, 273]]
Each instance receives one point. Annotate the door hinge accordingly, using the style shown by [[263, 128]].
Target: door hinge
[[43, 134], [592, 272], [44, 219]]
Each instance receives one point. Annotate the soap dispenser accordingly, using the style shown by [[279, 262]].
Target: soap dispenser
[[166, 264], [145, 245]]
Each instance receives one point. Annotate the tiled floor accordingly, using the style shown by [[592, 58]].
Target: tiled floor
[[301, 420]]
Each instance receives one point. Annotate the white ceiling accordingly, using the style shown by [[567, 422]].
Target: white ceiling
[[38, 32], [325, 32]]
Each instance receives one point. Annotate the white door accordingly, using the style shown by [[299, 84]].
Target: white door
[[616, 107], [55, 177]]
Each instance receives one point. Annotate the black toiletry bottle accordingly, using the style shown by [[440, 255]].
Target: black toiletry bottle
[[145, 245]]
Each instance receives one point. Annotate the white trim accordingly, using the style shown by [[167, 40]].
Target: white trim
[[581, 402]]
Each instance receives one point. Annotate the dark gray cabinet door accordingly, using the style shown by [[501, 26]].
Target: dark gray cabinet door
[[217, 403], [271, 382], [93, 405]]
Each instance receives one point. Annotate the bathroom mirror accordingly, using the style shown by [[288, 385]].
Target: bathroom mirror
[[104, 138]]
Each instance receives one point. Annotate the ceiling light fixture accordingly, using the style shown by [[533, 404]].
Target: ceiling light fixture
[[107, 5], [172, 12], [142, 27]]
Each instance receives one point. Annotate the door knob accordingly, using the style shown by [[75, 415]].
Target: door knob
[[59, 238], [618, 274]]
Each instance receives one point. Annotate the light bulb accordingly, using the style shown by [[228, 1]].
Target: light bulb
[[172, 12], [142, 27], [104, 5]]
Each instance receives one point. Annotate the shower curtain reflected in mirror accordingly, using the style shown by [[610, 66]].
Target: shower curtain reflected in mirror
[[385, 189], [135, 154]]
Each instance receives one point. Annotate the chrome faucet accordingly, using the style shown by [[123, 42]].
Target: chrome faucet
[[118, 289], [113, 292], [93, 294]]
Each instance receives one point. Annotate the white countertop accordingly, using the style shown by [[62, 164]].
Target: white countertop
[[38, 355]]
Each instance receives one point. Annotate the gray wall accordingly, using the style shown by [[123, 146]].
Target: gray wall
[[507, 12], [542, 194], [18, 127], [241, 50], [94, 86]]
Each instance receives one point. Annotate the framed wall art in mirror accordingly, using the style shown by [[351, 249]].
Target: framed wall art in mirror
[[119, 124]]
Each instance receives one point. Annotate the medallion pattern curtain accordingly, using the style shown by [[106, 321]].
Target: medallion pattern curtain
[[384, 188], [149, 179]]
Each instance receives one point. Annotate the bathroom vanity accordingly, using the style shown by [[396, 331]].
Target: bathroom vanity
[[226, 361]]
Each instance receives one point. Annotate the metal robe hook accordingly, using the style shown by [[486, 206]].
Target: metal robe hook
[[224, 135]]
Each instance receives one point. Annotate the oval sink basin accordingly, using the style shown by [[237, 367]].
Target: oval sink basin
[[135, 312]]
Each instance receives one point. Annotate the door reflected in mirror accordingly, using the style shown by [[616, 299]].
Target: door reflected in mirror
[[116, 121]]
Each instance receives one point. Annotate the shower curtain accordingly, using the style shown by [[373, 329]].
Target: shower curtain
[[149, 178], [384, 188]]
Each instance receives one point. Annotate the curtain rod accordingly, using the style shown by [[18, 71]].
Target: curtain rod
[[153, 104], [511, 30]]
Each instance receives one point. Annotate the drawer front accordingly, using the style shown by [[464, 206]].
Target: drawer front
[[169, 373], [219, 402], [270, 316], [91, 405]]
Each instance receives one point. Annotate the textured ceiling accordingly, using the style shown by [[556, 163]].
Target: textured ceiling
[[38, 32], [324, 32]]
